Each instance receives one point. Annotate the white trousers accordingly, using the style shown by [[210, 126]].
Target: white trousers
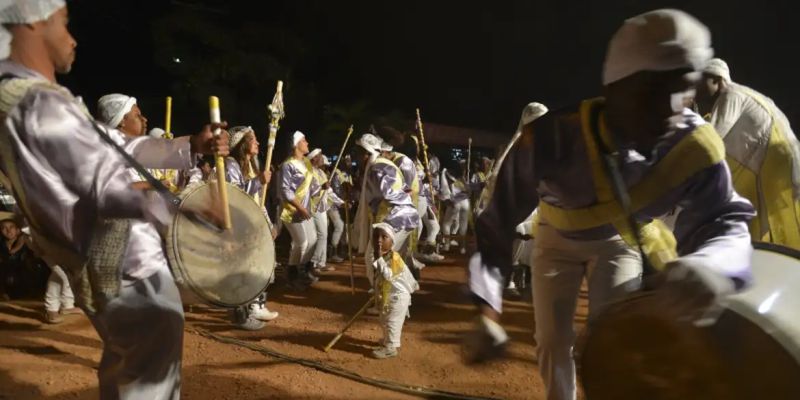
[[401, 243], [611, 267], [429, 221], [456, 217], [304, 238], [320, 256], [142, 333], [338, 226], [393, 317], [59, 294]]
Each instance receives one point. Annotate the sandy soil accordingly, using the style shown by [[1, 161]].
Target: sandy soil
[[41, 361]]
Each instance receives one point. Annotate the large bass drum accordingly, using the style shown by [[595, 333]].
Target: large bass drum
[[228, 268], [637, 350]]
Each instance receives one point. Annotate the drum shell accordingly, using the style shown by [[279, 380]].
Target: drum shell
[[229, 268], [640, 349]]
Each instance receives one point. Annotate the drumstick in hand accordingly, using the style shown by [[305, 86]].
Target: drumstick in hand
[[213, 104]]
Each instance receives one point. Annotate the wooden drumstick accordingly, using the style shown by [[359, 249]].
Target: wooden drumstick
[[276, 113], [213, 105]]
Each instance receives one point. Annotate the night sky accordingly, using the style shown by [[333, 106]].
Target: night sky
[[465, 63]]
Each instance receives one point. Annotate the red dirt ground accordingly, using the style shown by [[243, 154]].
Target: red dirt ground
[[41, 361]]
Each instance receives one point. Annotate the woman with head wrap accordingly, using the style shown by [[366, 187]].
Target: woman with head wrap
[[339, 179], [242, 171], [297, 187], [667, 156]]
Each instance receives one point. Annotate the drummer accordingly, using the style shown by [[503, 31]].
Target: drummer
[[242, 171], [668, 157], [69, 182], [297, 186]]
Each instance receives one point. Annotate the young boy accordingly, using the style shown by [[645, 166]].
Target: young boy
[[393, 287]]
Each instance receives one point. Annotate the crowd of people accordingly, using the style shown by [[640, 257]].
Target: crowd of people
[[547, 213]]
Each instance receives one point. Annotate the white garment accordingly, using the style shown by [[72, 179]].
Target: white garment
[[59, 294], [457, 213], [320, 256], [611, 267], [304, 238], [393, 317], [428, 220], [338, 226]]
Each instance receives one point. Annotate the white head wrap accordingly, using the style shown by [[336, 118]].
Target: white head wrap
[[157, 133], [296, 137], [314, 153], [238, 133], [370, 143], [23, 12], [718, 67], [113, 107], [386, 228], [326, 160], [660, 40], [385, 146]]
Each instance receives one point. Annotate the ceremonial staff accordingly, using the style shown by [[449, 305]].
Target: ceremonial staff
[[168, 119], [424, 146], [276, 113], [336, 166], [213, 105]]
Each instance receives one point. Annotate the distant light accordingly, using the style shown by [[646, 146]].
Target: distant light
[[176, 60]]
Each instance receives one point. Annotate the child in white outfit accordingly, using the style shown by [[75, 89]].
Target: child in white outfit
[[393, 287]]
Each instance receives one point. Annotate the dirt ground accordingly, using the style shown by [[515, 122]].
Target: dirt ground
[[41, 361]]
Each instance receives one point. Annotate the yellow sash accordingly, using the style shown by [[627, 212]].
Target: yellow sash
[[697, 151], [321, 178], [770, 189], [300, 192], [396, 264]]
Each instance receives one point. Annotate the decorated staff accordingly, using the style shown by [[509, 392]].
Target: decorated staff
[[424, 146], [277, 113], [213, 105], [336, 166]]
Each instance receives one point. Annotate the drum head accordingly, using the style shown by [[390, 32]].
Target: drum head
[[228, 268], [637, 350]]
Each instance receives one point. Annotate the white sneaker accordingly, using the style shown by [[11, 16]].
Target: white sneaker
[[463, 251], [436, 256], [453, 243], [260, 312], [417, 264]]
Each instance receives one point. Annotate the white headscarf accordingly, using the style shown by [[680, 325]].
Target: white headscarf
[[23, 12], [313, 154], [296, 137], [370, 143], [113, 107], [157, 133], [385, 146], [718, 67], [237, 134], [660, 40], [383, 226], [325, 160]]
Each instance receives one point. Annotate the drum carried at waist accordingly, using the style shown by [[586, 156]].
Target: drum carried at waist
[[226, 268], [638, 349]]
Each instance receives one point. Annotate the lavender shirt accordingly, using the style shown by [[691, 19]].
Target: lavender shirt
[[381, 180]]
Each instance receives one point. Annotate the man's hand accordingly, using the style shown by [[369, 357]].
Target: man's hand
[[206, 142], [304, 214]]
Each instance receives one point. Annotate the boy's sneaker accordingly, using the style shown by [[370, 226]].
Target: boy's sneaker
[[384, 352], [53, 317]]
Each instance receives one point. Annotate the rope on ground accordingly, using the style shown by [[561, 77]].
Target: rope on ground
[[341, 372]]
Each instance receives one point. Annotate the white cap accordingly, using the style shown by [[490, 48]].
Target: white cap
[[296, 137], [370, 143], [28, 11], [386, 228], [385, 146], [718, 67], [113, 107], [314, 153], [238, 133], [532, 111], [660, 40], [157, 133]]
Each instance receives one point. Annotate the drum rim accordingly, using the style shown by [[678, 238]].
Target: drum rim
[[777, 248], [175, 259]]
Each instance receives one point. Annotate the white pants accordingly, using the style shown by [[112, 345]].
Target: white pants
[[59, 293], [457, 213], [393, 317], [320, 255], [429, 221], [612, 268], [338, 226], [304, 238], [142, 333], [401, 243]]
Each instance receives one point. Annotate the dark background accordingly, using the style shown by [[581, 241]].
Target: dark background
[[464, 63]]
